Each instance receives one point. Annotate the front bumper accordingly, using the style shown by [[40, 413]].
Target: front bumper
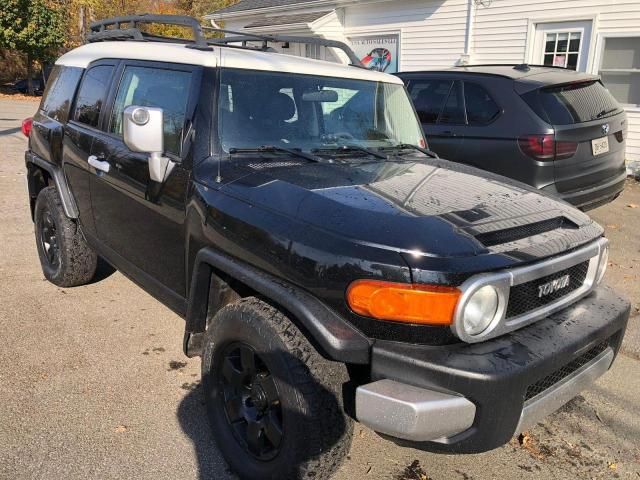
[[469, 398]]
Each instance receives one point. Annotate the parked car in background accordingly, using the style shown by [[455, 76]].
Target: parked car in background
[[555, 129], [22, 86]]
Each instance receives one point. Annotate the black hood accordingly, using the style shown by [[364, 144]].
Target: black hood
[[431, 208]]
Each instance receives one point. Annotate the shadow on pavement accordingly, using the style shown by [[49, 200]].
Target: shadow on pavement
[[193, 419], [10, 131]]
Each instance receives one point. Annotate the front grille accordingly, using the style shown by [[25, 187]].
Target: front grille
[[525, 297], [499, 237], [550, 380]]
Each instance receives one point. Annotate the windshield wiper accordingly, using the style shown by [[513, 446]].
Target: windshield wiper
[[605, 112], [351, 147], [406, 146], [275, 149]]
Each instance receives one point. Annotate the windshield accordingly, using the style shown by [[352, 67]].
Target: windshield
[[312, 113]]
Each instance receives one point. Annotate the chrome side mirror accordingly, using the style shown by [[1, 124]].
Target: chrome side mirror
[[143, 131]]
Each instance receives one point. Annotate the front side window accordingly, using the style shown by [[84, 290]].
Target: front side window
[[62, 84], [481, 109], [620, 68], [453, 111], [154, 87], [92, 94], [429, 96], [312, 112]]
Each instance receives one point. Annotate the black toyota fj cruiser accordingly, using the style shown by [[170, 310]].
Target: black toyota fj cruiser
[[328, 266]]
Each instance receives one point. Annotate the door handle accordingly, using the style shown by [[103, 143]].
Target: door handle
[[98, 164], [448, 133]]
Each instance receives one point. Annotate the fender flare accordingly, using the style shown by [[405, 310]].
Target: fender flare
[[334, 337], [60, 181]]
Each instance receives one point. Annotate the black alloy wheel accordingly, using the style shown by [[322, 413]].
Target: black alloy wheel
[[49, 238], [251, 401]]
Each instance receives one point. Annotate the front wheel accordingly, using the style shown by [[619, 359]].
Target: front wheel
[[274, 403], [65, 257]]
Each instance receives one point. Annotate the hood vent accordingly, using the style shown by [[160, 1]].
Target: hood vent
[[269, 165], [499, 237]]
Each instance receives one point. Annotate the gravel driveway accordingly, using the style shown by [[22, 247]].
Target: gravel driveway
[[93, 382]]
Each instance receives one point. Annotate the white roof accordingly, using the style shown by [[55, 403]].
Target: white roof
[[223, 56]]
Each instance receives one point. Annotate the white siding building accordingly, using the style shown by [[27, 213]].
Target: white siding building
[[597, 36]]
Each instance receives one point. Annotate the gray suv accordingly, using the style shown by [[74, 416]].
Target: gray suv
[[555, 129]]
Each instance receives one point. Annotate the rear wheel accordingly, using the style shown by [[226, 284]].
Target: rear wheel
[[274, 403], [65, 257]]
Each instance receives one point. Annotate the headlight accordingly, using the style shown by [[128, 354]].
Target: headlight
[[480, 310], [602, 264]]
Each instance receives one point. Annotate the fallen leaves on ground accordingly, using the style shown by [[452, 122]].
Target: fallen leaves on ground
[[19, 96], [413, 472], [529, 443]]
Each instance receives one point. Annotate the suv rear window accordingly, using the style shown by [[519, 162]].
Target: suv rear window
[[93, 91], [58, 95], [573, 103]]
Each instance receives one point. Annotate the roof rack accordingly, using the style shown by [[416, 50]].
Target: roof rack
[[126, 28], [101, 31], [244, 37]]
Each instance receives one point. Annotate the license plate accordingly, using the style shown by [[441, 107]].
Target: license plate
[[600, 146]]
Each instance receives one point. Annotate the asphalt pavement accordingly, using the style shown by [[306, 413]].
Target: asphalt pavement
[[94, 385]]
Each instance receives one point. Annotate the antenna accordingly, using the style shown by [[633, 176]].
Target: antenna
[[219, 176]]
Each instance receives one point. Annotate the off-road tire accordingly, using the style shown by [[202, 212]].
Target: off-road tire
[[76, 262], [316, 432]]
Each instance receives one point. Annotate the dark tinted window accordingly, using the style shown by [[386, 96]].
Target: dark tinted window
[[58, 95], [481, 108], [428, 97], [91, 96], [155, 87], [575, 103], [453, 112]]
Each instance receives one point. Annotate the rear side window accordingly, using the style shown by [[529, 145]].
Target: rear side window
[[429, 97], [481, 109], [154, 87], [58, 95], [573, 103], [92, 94]]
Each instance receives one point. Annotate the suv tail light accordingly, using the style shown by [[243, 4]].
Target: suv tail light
[[27, 124], [546, 148], [565, 149]]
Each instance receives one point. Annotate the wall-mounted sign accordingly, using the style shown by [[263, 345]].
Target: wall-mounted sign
[[377, 52]]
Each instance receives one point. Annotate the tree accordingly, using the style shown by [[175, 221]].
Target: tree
[[36, 28]]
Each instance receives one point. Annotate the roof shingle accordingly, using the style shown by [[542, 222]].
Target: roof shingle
[[255, 4], [286, 19]]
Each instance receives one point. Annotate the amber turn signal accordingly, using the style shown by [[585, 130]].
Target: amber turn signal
[[403, 302]]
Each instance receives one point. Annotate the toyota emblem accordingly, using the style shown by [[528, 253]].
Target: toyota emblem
[[605, 129]]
